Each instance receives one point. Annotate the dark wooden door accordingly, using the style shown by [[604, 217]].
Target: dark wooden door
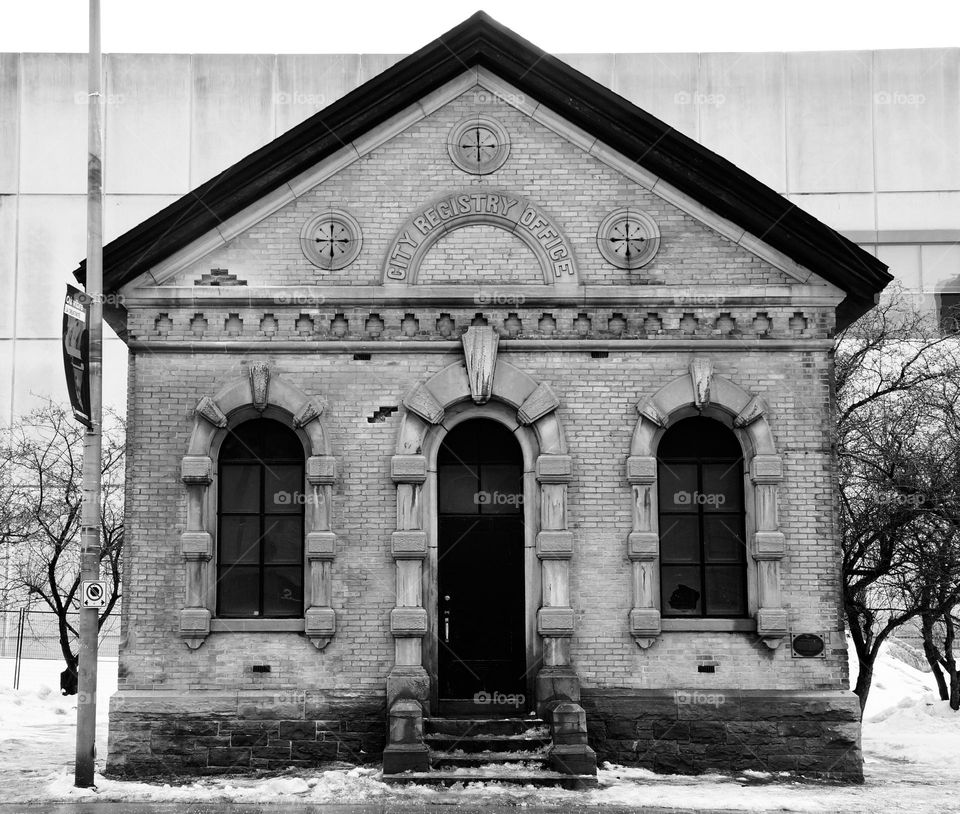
[[480, 609]]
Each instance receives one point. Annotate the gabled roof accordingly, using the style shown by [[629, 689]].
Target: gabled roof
[[480, 40]]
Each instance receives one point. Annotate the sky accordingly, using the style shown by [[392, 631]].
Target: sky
[[557, 26]]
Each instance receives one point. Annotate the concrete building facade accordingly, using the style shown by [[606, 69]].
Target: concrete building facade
[[483, 396]]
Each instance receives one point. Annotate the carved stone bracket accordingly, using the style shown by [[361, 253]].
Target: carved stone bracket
[[311, 411], [259, 384], [701, 374], [207, 408], [540, 402], [756, 408], [480, 352], [422, 402]]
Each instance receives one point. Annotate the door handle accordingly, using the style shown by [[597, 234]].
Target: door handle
[[446, 626]]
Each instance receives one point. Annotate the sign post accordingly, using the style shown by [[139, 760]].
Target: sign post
[[90, 509]]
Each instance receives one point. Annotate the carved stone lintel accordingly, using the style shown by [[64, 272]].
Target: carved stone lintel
[[538, 404], [422, 402], [311, 411], [208, 410], [259, 384], [701, 374], [755, 408], [650, 410], [480, 351]]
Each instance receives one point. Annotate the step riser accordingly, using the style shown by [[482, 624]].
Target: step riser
[[486, 744], [457, 726]]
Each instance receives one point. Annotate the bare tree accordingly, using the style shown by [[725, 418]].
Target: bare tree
[[897, 382], [40, 491]]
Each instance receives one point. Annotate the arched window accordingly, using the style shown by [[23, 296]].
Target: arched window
[[703, 557], [260, 522]]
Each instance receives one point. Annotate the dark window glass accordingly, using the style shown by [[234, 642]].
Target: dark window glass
[[479, 470], [260, 528], [948, 308], [702, 549]]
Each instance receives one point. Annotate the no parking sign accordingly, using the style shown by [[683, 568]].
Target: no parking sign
[[93, 594]]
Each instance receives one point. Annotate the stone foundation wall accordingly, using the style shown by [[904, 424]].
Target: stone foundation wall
[[693, 731], [155, 734]]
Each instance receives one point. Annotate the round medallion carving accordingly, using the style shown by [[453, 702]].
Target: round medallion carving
[[331, 240], [628, 238], [478, 145]]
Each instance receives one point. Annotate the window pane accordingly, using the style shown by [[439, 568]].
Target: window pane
[[721, 538], [282, 591], [501, 488], [238, 590], [722, 484], [680, 590], [725, 590], [282, 488], [679, 538], [239, 488], [459, 489], [678, 483], [240, 540], [282, 540]]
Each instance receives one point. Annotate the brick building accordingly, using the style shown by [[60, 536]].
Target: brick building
[[483, 395]]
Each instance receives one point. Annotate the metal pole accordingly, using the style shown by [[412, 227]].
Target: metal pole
[[90, 511], [19, 657]]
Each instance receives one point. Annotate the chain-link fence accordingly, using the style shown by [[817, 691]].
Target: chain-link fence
[[41, 635]]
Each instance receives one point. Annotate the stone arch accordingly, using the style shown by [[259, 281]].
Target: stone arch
[[701, 392], [242, 398], [529, 407]]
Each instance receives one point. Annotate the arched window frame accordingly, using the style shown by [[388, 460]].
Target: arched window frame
[[700, 392], [241, 399]]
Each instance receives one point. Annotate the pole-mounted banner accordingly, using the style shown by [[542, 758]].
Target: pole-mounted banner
[[76, 362]]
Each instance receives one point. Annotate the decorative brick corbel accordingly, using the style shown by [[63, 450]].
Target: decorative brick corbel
[[643, 550], [769, 547], [196, 548]]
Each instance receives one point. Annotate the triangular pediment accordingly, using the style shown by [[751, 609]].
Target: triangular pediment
[[556, 119]]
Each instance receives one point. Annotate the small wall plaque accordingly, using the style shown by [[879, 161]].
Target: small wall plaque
[[808, 646]]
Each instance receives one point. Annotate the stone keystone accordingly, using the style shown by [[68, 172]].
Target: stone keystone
[[480, 351]]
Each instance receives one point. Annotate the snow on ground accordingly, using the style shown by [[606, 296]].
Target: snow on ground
[[911, 744]]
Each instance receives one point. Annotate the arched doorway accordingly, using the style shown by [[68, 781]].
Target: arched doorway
[[481, 652]]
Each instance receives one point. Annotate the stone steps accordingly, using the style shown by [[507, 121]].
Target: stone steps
[[485, 750]]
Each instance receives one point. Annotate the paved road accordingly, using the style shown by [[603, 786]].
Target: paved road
[[293, 808]]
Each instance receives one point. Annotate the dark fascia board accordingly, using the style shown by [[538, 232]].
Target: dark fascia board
[[708, 178]]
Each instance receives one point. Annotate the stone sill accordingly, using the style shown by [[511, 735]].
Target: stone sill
[[706, 625], [256, 626]]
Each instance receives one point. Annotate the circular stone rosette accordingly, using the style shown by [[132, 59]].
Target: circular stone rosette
[[478, 145], [628, 238], [331, 240]]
